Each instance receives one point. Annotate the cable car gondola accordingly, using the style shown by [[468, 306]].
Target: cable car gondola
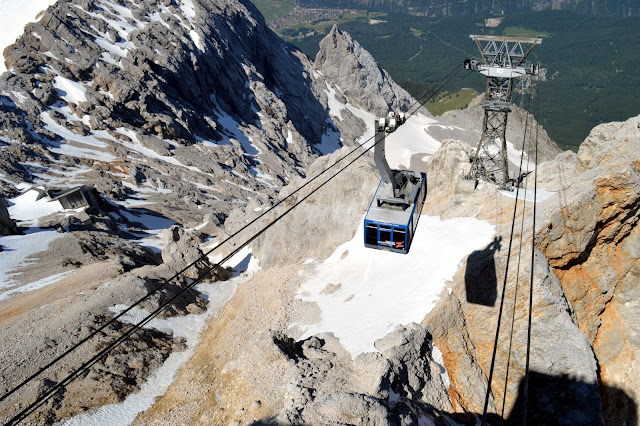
[[392, 218]]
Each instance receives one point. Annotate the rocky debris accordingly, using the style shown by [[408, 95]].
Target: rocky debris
[[7, 225], [121, 373], [321, 384], [344, 62], [101, 273], [83, 220]]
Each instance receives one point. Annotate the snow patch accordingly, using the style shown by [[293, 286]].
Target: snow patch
[[439, 359], [16, 250], [70, 91], [26, 209], [233, 129], [541, 194], [36, 284], [379, 290]]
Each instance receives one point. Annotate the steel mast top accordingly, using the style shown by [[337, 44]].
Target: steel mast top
[[503, 59]]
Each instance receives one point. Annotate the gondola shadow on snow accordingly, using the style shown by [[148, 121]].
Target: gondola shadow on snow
[[480, 278]]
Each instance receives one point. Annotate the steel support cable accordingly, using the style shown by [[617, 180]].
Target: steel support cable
[[533, 246], [426, 97], [502, 297], [23, 414], [515, 295]]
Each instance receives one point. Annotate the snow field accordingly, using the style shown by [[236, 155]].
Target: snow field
[[410, 138], [364, 293]]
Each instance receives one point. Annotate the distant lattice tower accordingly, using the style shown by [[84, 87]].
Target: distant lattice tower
[[503, 59]]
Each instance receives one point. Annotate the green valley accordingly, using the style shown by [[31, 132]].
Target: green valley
[[589, 62]]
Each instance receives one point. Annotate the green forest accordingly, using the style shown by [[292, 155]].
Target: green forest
[[435, 8], [590, 63]]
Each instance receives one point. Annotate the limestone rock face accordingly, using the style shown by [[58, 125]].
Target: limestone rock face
[[593, 244], [302, 233], [449, 163], [585, 284], [353, 69]]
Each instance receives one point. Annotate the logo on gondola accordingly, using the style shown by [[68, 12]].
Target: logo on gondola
[[400, 244]]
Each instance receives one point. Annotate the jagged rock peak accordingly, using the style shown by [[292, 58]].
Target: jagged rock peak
[[143, 87], [345, 62]]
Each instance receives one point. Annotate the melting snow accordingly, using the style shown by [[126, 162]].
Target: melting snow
[[231, 126], [378, 290], [265, 178], [155, 226], [541, 194], [36, 284], [90, 141]]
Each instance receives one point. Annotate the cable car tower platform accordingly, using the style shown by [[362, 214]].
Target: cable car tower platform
[[503, 59]]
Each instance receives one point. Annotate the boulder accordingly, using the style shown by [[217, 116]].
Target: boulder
[[7, 225], [182, 248]]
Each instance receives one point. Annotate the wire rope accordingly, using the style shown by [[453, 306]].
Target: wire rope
[[515, 295], [502, 298], [533, 247]]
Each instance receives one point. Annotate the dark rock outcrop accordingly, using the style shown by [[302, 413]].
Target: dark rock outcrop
[[7, 225]]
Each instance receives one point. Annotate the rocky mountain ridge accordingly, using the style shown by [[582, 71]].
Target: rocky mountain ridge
[[118, 95]]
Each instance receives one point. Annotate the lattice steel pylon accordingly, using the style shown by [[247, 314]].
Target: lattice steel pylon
[[503, 59]]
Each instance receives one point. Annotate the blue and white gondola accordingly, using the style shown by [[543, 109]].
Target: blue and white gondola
[[392, 218]]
